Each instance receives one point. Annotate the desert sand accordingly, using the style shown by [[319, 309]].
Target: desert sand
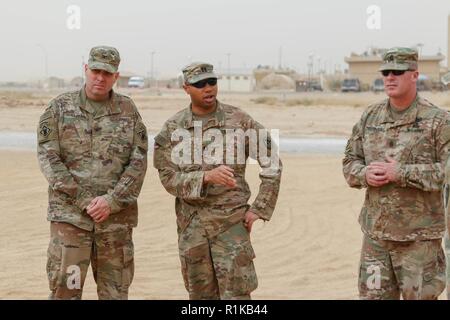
[[309, 250]]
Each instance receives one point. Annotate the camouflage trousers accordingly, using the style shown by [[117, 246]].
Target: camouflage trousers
[[71, 250], [220, 267], [414, 270]]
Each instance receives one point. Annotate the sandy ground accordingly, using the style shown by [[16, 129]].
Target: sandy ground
[[309, 250]]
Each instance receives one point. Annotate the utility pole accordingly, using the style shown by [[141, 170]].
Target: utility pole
[[229, 75], [420, 46], [310, 66], [318, 65], [151, 68], [45, 60], [280, 53]]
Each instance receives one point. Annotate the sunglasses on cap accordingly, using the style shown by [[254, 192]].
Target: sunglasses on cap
[[202, 83], [385, 73]]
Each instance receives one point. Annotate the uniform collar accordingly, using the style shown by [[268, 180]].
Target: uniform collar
[[217, 119], [408, 117], [111, 106]]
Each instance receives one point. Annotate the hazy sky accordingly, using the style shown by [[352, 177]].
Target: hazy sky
[[180, 31]]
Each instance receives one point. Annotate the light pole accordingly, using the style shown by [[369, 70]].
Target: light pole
[[280, 55], [318, 65], [151, 68], [310, 66], [45, 60], [229, 75], [420, 46]]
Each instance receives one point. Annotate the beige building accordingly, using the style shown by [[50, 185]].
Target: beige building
[[365, 67], [54, 83], [237, 82]]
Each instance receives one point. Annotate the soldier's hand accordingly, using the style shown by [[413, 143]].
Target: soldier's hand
[[223, 175], [376, 176], [390, 169], [249, 218], [98, 209]]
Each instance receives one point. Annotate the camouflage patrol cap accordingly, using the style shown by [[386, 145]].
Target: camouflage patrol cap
[[399, 58], [104, 58], [198, 71]]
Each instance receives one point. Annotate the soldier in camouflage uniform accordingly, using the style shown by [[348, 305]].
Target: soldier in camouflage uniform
[[446, 80], [92, 148], [214, 218], [397, 151]]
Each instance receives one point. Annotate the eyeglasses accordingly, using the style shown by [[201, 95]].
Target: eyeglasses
[[386, 73], [202, 83]]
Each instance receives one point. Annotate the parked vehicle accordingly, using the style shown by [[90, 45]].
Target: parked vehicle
[[351, 85], [378, 85], [304, 85], [315, 86], [424, 83], [439, 86], [446, 79], [136, 82]]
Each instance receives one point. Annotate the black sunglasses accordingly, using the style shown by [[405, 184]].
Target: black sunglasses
[[385, 73], [202, 83]]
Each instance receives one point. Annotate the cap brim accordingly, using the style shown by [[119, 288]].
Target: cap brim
[[201, 77], [394, 66], [102, 66]]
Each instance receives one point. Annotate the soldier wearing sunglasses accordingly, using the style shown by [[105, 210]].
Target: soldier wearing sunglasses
[[397, 151], [214, 218]]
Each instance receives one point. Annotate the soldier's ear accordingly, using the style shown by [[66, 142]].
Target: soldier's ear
[[186, 88], [116, 76], [415, 76]]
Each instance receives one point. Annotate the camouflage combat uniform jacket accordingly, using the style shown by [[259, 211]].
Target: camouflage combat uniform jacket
[[84, 154], [218, 207], [412, 208]]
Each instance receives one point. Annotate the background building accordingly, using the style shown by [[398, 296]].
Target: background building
[[365, 66], [124, 77], [268, 78], [236, 80]]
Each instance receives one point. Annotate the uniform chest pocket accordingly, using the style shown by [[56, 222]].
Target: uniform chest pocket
[[74, 136], [114, 136], [375, 143], [418, 146]]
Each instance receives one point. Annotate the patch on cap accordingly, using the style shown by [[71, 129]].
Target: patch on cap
[[198, 71], [104, 58], [400, 58]]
